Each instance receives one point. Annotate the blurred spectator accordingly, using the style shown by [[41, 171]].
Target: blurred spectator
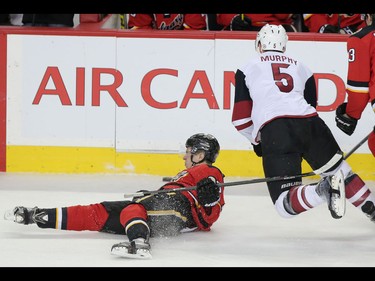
[[51, 20], [166, 21], [4, 19], [11, 19], [91, 18], [16, 19], [333, 23], [212, 23], [254, 22]]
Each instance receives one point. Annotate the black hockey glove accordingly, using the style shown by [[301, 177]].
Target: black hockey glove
[[240, 24], [345, 123], [328, 28], [258, 149], [208, 192]]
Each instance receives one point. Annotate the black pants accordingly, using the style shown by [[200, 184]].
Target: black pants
[[168, 213], [287, 141]]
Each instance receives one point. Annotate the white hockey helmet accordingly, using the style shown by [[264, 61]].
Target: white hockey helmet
[[272, 38]]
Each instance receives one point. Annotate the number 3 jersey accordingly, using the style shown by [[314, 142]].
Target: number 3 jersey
[[361, 71], [272, 85]]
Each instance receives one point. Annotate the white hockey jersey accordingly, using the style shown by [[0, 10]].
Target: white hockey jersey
[[272, 85]]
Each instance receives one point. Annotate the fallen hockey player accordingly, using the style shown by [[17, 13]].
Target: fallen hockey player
[[160, 214]]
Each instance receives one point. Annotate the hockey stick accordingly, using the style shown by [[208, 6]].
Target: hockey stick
[[167, 179], [357, 146], [331, 163], [338, 156]]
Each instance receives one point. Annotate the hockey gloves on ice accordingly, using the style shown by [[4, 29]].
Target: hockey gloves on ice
[[258, 149], [240, 22], [345, 123], [208, 192]]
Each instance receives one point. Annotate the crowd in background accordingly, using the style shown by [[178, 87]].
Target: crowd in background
[[322, 23], [318, 23], [50, 20]]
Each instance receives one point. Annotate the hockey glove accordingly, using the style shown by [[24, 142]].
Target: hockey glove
[[240, 24], [208, 192], [328, 28], [258, 149], [345, 123]]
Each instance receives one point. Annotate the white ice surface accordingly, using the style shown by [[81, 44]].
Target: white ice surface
[[249, 232]]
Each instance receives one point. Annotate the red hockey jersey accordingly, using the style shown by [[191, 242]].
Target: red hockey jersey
[[256, 19], [361, 71], [168, 21], [204, 217], [315, 21]]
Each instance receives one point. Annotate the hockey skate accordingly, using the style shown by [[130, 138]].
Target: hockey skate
[[23, 215], [333, 189], [369, 209], [136, 249]]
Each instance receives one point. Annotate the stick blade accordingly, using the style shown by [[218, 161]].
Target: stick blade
[[167, 179]]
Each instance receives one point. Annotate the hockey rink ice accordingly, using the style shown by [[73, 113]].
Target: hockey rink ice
[[249, 232]]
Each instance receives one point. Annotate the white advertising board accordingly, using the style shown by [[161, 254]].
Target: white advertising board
[[49, 91], [145, 94]]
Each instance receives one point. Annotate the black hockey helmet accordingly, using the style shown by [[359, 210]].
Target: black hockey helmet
[[205, 142]]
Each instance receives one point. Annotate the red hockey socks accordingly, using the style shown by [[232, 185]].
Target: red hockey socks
[[134, 217]]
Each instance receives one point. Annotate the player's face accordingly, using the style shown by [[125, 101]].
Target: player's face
[[187, 158], [190, 158], [367, 18]]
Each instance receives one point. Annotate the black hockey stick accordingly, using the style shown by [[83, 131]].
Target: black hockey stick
[[331, 163], [326, 167]]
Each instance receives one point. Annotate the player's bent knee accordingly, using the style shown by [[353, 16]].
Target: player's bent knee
[[344, 167]]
